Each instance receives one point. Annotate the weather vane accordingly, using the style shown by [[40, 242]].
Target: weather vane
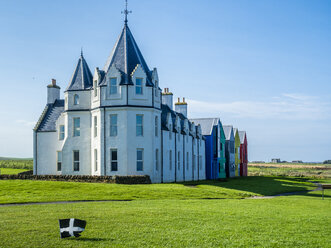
[[126, 12]]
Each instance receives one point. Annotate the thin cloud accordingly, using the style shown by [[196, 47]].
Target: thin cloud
[[286, 107], [26, 123]]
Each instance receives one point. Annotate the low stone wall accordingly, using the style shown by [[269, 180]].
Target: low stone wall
[[88, 179]]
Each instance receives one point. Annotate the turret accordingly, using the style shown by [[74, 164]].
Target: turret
[[181, 107], [53, 92], [167, 98]]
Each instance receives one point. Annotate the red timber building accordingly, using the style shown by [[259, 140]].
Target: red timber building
[[243, 153]]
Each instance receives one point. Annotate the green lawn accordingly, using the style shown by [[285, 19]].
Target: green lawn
[[9, 171], [20, 191], [292, 221]]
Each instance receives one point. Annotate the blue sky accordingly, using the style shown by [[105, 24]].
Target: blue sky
[[262, 65]]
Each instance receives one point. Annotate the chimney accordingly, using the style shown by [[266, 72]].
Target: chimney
[[167, 98], [181, 107], [53, 92]]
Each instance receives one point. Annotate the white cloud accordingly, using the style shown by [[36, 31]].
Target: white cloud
[[287, 106]]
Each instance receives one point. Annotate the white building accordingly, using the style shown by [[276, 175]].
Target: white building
[[118, 122]]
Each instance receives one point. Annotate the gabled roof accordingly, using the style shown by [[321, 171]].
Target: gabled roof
[[227, 131], [242, 135], [125, 56], [206, 124], [47, 121], [82, 78]]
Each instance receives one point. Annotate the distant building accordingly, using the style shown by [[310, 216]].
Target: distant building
[[275, 160], [297, 161], [229, 151]]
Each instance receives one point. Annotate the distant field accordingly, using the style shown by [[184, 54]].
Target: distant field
[[288, 169], [10, 171], [26, 164]]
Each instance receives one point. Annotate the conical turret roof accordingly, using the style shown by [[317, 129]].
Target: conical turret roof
[[82, 78], [125, 56]]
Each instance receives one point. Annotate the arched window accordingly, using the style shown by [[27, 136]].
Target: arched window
[[76, 99], [95, 85], [156, 126]]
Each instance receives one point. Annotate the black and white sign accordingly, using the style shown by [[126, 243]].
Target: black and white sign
[[71, 227]]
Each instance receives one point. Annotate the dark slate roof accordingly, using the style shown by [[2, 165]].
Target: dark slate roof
[[206, 124], [242, 135], [227, 131], [48, 119], [125, 56], [164, 114], [82, 78]]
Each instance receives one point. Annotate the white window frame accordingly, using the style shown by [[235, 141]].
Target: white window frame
[[61, 132], [95, 82], [113, 88], [156, 126], [75, 162], [170, 159], [95, 126], [112, 160], [76, 128], [157, 159], [140, 125], [95, 160], [140, 160], [139, 87], [59, 161], [113, 126]]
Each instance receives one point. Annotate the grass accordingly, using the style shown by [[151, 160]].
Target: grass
[[20, 191], [295, 221], [9, 171], [318, 171]]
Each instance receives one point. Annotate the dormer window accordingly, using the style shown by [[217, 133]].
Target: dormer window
[[95, 88], [113, 86], [76, 99], [156, 89], [139, 86]]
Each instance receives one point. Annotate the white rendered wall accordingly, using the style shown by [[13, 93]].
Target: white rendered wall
[[168, 145], [179, 148]]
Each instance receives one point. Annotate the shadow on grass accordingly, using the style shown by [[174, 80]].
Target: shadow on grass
[[260, 185], [82, 239]]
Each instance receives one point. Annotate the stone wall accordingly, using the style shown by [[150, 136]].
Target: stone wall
[[78, 178]]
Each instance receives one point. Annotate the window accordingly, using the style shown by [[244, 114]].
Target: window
[[76, 126], [170, 132], [139, 125], [193, 162], [95, 88], [139, 86], [157, 159], [95, 124], [178, 161], [156, 126], [140, 161], [113, 160], [59, 160], [200, 162], [113, 86], [187, 161], [76, 160], [95, 160], [170, 160], [76, 99], [113, 125], [61, 132], [221, 146], [156, 89]]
